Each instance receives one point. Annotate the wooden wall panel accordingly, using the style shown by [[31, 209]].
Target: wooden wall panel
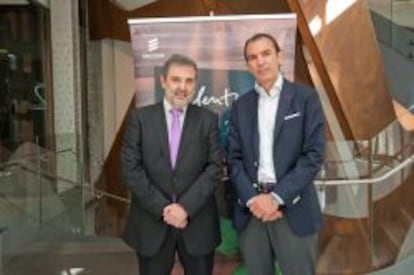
[[107, 20], [405, 117], [345, 52]]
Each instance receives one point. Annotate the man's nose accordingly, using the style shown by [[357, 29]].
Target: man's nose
[[260, 60], [182, 85]]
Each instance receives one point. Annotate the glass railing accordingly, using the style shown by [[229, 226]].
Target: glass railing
[[364, 187], [367, 158], [38, 187], [48, 214]]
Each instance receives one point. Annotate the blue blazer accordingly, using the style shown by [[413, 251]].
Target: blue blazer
[[298, 152]]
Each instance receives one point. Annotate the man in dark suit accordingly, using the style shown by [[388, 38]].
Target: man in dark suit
[[276, 142], [171, 163]]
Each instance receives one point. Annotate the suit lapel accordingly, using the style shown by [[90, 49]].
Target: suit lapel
[[254, 124], [162, 131], [286, 96]]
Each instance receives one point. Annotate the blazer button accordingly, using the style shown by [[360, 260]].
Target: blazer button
[[255, 164]]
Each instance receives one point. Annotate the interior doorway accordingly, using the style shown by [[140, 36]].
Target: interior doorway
[[26, 111]]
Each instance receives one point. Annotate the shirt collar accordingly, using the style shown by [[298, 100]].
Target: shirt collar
[[168, 107], [274, 91]]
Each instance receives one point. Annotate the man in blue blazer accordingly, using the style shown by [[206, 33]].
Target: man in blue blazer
[[276, 148]]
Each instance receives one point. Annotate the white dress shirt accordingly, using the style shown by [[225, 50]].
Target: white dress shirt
[[268, 104], [266, 115]]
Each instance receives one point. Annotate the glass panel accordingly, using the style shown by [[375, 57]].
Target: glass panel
[[366, 192], [346, 160], [40, 195], [394, 24], [344, 242], [24, 98]]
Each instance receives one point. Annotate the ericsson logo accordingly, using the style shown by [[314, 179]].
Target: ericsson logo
[[153, 45]]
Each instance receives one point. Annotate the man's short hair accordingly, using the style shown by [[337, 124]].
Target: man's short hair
[[258, 36], [178, 59]]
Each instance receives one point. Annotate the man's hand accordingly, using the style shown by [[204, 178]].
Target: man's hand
[[175, 215], [272, 216], [265, 208]]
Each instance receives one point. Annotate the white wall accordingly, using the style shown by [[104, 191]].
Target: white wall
[[111, 89]]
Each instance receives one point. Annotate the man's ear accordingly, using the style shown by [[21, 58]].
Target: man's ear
[[248, 65], [280, 57], [162, 81]]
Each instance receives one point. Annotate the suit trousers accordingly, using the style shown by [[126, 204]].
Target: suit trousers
[[262, 244], [163, 261]]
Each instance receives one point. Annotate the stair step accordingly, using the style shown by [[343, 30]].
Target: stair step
[[339, 256], [396, 232], [385, 248]]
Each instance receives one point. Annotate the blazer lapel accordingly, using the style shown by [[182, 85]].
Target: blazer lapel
[[254, 124], [286, 96], [162, 131]]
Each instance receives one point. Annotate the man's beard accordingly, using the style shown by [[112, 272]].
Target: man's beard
[[182, 101]]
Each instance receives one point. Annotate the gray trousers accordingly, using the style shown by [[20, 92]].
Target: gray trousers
[[262, 244]]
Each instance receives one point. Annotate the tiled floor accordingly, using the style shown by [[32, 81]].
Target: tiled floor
[[81, 259], [71, 264], [112, 257]]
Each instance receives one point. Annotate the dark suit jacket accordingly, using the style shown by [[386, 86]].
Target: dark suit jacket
[[298, 151], [148, 173]]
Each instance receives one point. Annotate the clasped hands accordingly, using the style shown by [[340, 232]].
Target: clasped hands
[[175, 215], [265, 208]]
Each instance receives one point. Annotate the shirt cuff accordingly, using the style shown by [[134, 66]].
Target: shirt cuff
[[277, 198], [250, 201]]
